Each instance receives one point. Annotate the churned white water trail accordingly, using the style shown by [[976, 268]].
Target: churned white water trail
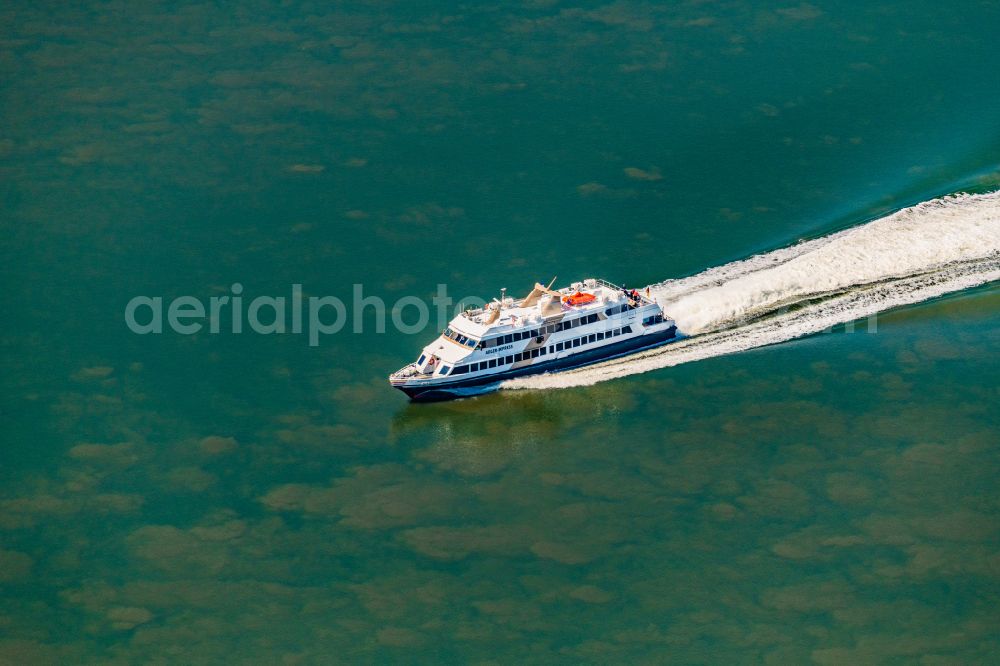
[[918, 253]]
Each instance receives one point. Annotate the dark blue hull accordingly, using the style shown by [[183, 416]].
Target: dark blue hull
[[467, 387]]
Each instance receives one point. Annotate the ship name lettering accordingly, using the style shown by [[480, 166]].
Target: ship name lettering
[[498, 349]]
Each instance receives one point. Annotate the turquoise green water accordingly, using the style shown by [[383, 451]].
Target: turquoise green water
[[249, 498]]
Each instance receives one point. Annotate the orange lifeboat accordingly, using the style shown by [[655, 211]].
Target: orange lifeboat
[[579, 298]]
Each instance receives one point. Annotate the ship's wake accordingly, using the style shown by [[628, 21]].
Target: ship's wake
[[919, 253]]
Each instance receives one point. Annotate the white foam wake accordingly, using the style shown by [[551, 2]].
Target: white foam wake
[[918, 253]]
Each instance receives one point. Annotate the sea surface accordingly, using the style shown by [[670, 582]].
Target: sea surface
[[249, 498]]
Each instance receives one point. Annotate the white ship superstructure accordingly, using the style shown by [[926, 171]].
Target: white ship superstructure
[[548, 330]]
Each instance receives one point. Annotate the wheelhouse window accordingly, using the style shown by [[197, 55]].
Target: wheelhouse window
[[655, 319], [444, 370], [420, 361]]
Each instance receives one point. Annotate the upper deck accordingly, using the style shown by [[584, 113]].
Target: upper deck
[[541, 306]]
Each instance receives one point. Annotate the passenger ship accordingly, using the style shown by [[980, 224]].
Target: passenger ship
[[548, 330]]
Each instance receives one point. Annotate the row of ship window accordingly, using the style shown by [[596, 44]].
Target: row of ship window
[[459, 338], [524, 335], [538, 332], [538, 351]]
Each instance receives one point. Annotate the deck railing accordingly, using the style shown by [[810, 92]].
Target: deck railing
[[605, 283], [643, 300]]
